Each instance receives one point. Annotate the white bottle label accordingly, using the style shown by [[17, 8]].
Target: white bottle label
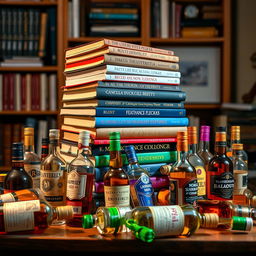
[[8, 197], [241, 180], [19, 216], [34, 170], [117, 196], [168, 220]]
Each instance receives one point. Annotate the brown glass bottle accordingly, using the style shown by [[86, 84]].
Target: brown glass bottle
[[17, 178], [220, 180], [116, 181]]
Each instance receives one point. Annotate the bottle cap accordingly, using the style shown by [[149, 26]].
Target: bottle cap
[[165, 169], [221, 129], [114, 136], [83, 139], [205, 133], [182, 141], [115, 220], [235, 133], [237, 146], [192, 135], [17, 151], [242, 223], [64, 212], [29, 131], [87, 221], [54, 134], [114, 144], [210, 220], [45, 141], [131, 154]]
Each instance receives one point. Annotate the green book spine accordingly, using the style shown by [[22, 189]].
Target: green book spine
[[143, 158]]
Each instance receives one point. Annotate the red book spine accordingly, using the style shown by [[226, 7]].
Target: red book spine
[[11, 91], [33, 85], [5, 92], [178, 8], [135, 141], [84, 62], [23, 92]]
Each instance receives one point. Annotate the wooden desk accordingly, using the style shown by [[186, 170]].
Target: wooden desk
[[66, 239]]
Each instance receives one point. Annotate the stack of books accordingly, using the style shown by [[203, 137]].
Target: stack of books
[[128, 88]]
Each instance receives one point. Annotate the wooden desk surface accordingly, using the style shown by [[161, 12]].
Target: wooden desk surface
[[67, 239]]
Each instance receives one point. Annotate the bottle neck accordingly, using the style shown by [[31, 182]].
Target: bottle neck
[[29, 143], [134, 165], [54, 147], [204, 146], [220, 149], [193, 148], [116, 160], [84, 151], [182, 156], [17, 164], [44, 151]]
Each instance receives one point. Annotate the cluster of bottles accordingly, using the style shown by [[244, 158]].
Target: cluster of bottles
[[203, 190]]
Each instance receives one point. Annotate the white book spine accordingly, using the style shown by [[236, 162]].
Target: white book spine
[[164, 20], [76, 18], [43, 92], [17, 94], [52, 92]]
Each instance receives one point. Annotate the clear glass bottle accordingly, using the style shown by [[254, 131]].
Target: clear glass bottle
[[17, 178], [32, 161], [197, 162], [116, 181], [80, 180], [45, 148], [142, 192], [220, 179], [183, 177], [33, 215]]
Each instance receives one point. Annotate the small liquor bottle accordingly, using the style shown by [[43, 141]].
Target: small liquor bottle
[[203, 150], [116, 181], [53, 180], [45, 148], [142, 192], [32, 161], [80, 181], [31, 215], [17, 178], [197, 162], [107, 220], [183, 178], [220, 180]]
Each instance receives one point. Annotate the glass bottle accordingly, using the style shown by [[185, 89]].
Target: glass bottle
[[220, 180], [32, 161], [141, 189], [17, 178], [31, 215], [197, 162], [116, 181], [80, 180], [204, 144], [45, 148], [107, 220], [53, 180], [183, 178]]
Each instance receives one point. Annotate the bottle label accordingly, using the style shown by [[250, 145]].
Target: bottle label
[[117, 196], [241, 181], [52, 183], [183, 191], [34, 170], [19, 216], [6, 198], [142, 191], [222, 185], [167, 220], [201, 179]]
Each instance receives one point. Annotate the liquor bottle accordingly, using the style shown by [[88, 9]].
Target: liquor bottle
[[197, 162], [32, 161], [246, 199], [183, 178], [80, 180], [116, 181], [44, 149], [141, 189], [203, 150], [17, 178], [33, 215], [235, 139], [53, 180], [107, 220], [220, 180]]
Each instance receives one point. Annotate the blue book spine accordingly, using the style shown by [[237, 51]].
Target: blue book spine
[[140, 95], [101, 122], [117, 16], [141, 112]]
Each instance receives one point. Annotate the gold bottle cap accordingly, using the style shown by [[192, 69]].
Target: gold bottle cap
[[165, 169], [221, 137], [29, 131], [64, 212], [235, 132], [182, 141], [210, 220], [237, 146], [54, 134], [192, 135]]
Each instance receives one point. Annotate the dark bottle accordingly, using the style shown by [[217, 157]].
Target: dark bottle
[[17, 178], [116, 181], [45, 148], [220, 179]]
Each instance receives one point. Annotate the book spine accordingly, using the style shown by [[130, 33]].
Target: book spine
[[116, 16], [140, 95], [102, 112], [11, 91], [136, 141], [23, 92], [143, 158], [134, 104], [199, 32]]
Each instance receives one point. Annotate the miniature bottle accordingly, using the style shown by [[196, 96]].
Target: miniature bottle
[[17, 178], [116, 181], [80, 180], [31, 215], [141, 189], [197, 162], [44, 149], [220, 179], [32, 161]]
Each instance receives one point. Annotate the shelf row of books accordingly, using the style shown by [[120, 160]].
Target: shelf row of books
[[132, 95], [27, 32], [28, 91]]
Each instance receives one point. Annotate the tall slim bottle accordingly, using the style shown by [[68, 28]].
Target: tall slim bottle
[[45, 148], [53, 180], [32, 161], [197, 162], [220, 177], [183, 177], [80, 180], [17, 178], [116, 181]]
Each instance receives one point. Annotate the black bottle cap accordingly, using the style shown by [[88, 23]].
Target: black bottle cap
[[17, 151], [221, 129]]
